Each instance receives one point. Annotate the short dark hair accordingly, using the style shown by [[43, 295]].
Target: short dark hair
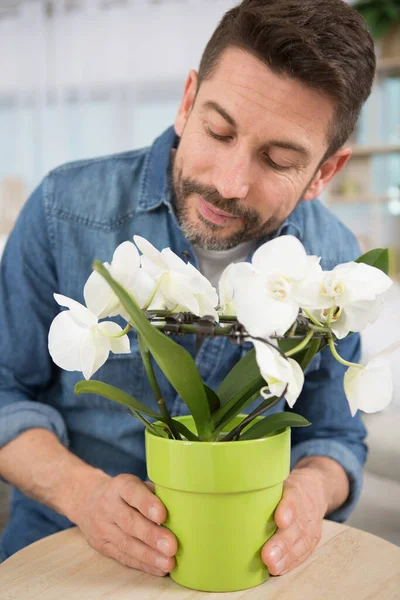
[[323, 43]]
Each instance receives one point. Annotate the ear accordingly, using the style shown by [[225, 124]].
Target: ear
[[326, 172], [187, 102]]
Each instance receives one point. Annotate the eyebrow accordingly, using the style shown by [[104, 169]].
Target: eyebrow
[[211, 105]]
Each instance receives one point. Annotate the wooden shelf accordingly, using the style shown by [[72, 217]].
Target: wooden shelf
[[360, 151], [368, 199], [388, 66]]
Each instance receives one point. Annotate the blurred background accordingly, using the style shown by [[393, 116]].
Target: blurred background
[[83, 78]]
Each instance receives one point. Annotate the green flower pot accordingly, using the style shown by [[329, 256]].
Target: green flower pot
[[220, 499]]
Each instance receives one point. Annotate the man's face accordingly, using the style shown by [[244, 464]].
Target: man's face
[[250, 149]]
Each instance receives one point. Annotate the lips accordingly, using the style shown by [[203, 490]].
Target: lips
[[212, 214]]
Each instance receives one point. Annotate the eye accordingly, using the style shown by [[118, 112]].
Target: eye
[[220, 138], [273, 164]]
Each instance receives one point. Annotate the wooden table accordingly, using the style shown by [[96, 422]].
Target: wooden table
[[348, 564]]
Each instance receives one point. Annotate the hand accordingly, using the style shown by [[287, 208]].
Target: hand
[[299, 517], [119, 517]]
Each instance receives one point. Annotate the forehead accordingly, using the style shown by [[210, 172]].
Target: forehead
[[262, 102]]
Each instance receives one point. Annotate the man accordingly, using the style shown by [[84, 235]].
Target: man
[[258, 136]]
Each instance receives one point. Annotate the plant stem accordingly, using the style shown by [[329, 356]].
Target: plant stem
[[344, 362], [193, 328], [146, 423], [157, 392], [329, 317], [300, 346], [118, 335], [267, 404], [312, 318]]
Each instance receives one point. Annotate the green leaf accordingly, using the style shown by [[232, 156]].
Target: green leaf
[[189, 435], [309, 353], [174, 361], [379, 258], [273, 423], [112, 393], [239, 389], [160, 430], [236, 409], [213, 399]]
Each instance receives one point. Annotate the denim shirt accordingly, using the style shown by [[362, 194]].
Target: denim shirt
[[82, 211]]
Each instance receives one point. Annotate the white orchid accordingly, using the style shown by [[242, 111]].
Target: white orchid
[[125, 269], [353, 292], [78, 342], [370, 388], [227, 288], [267, 299], [279, 372], [179, 285]]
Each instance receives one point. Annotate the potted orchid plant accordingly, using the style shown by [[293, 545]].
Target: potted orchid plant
[[219, 471]]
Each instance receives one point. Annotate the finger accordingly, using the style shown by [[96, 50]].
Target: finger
[[127, 545], [134, 524], [285, 512], [289, 547], [129, 561], [137, 494]]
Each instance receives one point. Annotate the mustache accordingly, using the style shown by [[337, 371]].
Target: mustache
[[231, 206]]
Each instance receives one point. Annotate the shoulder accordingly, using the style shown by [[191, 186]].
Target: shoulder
[[100, 191], [324, 235]]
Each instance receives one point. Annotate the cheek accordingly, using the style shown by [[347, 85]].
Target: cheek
[[197, 155], [277, 197]]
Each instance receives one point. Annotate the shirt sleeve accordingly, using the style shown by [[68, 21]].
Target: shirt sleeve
[[28, 280], [333, 432]]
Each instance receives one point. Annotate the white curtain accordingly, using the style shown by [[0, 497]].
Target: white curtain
[[82, 78]]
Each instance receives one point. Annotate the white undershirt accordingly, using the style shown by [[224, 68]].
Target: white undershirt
[[212, 263]]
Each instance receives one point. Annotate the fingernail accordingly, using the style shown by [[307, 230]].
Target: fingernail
[[153, 514], [163, 545], [162, 562], [275, 553]]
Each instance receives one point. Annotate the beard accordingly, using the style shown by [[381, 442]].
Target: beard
[[211, 236]]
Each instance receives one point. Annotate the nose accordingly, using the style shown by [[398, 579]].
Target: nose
[[232, 176]]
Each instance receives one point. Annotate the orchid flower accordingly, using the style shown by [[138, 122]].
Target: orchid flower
[[179, 285], [279, 372], [370, 388], [78, 342], [125, 269], [267, 299], [227, 289], [352, 297]]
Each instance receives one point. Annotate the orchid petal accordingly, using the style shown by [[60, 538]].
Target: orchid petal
[[149, 251], [142, 288], [361, 314], [64, 341], [259, 312], [94, 352], [120, 345], [363, 282], [279, 372], [370, 388], [99, 297], [80, 312], [285, 255], [173, 262], [125, 262]]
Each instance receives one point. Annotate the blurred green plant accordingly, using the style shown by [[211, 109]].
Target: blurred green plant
[[380, 15]]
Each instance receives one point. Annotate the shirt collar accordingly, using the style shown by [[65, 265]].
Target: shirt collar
[[156, 186]]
